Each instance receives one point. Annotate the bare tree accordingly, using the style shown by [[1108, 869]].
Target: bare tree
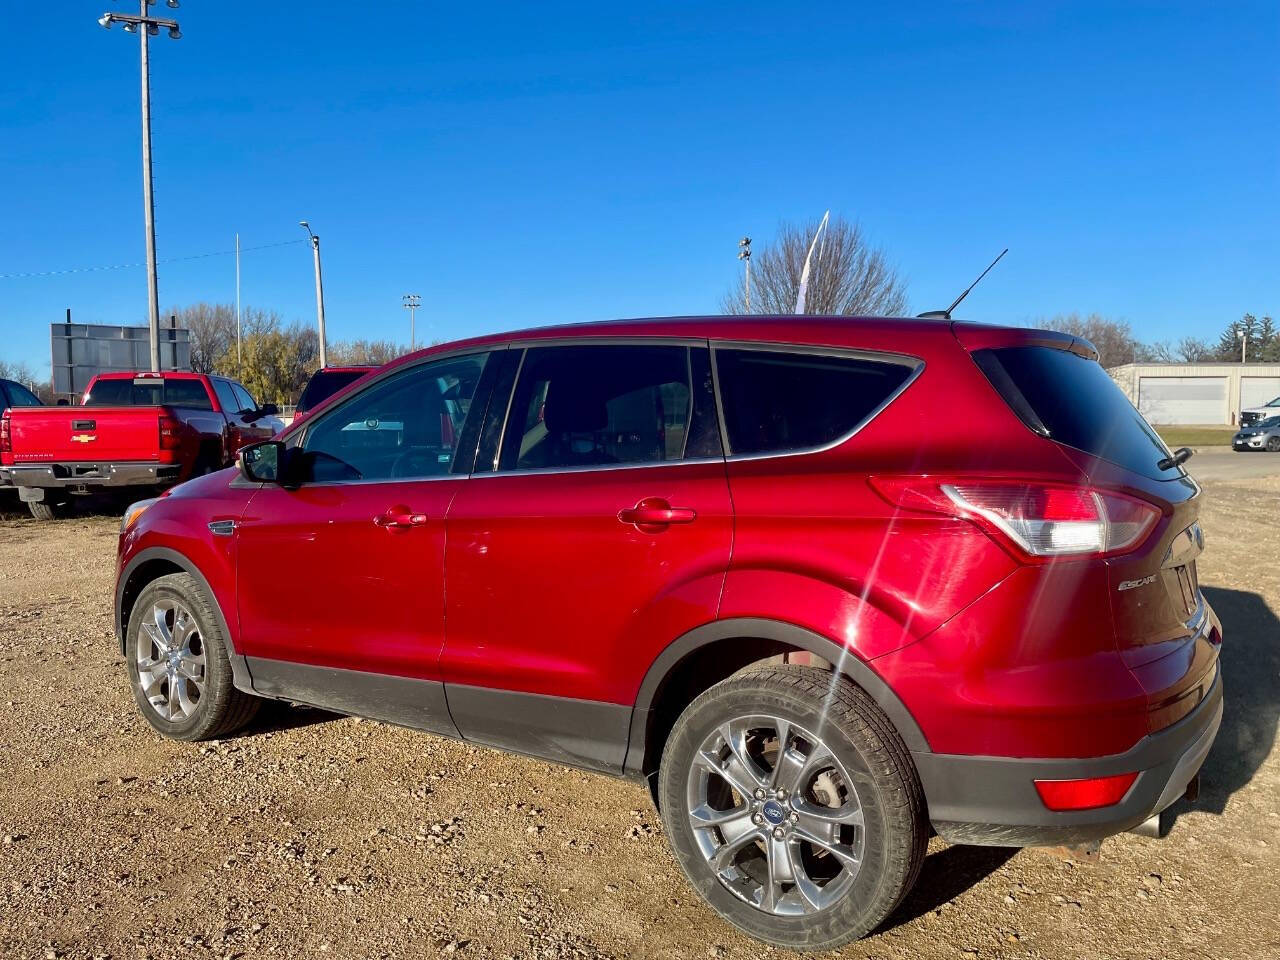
[[344, 353], [847, 276], [1113, 338], [212, 327]]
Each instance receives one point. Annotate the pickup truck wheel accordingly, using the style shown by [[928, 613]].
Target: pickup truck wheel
[[793, 807], [178, 666], [46, 509]]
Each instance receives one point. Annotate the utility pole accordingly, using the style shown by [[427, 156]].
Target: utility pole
[[744, 254], [411, 303], [239, 367], [1244, 345], [315, 251], [150, 26]]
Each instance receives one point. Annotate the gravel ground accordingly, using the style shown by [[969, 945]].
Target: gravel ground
[[313, 835]]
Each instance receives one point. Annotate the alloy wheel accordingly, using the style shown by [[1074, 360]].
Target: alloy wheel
[[171, 661], [776, 815]]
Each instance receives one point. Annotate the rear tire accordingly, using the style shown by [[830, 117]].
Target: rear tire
[[807, 849], [47, 509], [178, 663]]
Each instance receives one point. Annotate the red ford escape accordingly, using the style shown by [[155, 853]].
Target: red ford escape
[[823, 583]]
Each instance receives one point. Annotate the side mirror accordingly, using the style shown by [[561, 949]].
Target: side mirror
[[269, 410], [262, 462]]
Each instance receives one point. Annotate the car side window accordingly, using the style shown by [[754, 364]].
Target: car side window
[[244, 398], [584, 406], [405, 427], [779, 401], [226, 396]]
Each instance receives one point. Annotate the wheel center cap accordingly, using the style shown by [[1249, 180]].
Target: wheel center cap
[[773, 812]]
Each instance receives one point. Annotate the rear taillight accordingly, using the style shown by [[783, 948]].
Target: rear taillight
[[1042, 520], [1087, 794], [170, 433], [6, 435]]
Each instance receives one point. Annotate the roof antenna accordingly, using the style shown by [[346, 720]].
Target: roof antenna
[[946, 314]]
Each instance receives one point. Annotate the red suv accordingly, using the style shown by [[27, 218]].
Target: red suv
[[823, 583]]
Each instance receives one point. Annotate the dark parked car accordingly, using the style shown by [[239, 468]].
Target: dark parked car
[[324, 383], [13, 394], [741, 560]]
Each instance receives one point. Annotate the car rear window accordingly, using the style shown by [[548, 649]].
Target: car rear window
[[121, 392], [778, 401], [1072, 400], [324, 384]]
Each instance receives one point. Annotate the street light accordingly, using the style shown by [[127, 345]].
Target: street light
[[744, 254], [152, 27], [315, 251], [1244, 345], [411, 303]]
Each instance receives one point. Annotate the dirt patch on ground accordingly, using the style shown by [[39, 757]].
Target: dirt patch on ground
[[311, 835]]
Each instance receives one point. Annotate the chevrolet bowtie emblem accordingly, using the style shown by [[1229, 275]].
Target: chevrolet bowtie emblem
[[83, 438]]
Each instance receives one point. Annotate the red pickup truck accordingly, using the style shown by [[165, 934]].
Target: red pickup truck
[[133, 429]]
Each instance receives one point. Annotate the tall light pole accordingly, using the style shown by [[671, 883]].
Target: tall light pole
[[239, 366], [411, 303], [744, 254], [1244, 345], [150, 27], [315, 250]]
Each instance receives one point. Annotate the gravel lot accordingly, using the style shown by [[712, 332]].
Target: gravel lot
[[313, 835]]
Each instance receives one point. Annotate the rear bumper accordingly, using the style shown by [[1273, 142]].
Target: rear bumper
[[39, 476], [993, 800]]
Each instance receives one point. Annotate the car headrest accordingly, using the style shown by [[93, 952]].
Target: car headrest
[[575, 407]]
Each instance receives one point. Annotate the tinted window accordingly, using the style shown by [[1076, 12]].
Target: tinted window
[[226, 396], [140, 393], [187, 393], [598, 405], [110, 393], [244, 398], [1072, 400], [405, 427], [776, 401], [20, 396], [324, 384]]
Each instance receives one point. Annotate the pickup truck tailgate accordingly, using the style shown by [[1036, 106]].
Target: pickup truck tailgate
[[85, 434]]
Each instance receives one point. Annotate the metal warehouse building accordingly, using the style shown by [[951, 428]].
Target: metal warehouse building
[[1199, 393]]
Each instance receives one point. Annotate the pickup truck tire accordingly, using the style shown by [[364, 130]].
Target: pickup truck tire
[[793, 807], [47, 509], [178, 663]]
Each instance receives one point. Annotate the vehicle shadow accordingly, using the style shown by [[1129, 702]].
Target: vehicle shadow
[[945, 875], [1251, 699], [276, 716]]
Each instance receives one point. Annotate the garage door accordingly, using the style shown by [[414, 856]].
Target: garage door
[[1183, 399], [1255, 391]]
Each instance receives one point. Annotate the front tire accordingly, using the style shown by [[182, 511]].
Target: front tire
[[809, 846], [1273, 444], [178, 663]]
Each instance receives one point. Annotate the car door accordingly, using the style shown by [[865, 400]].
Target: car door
[[341, 577], [598, 534], [252, 428]]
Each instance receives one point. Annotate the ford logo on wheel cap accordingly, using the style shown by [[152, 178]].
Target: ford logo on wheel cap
[[773, 812]]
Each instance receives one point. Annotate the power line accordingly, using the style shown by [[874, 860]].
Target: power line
[[126, 266]]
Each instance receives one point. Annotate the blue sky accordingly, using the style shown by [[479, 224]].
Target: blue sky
[[520, 164]]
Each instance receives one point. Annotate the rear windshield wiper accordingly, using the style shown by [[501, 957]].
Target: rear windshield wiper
[[1180, 456]]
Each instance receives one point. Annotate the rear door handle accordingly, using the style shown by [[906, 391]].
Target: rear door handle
[[400, 518], [654, 512]]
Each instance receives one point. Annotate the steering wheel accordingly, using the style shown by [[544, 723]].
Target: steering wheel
[[416, 462]]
